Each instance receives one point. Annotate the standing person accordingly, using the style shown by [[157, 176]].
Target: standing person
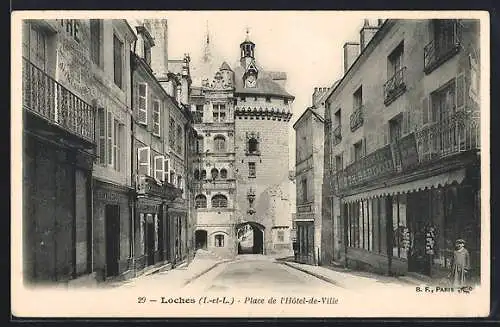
[[460, 265]]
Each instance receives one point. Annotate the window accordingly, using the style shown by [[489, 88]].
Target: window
[[101, 122], [117, 142], [200, 145], [203, 174], [95, 41], [444, 35], [143, 104], [197, 174], [166, 170], [305, 196], [253, 145], [358, 98], [338, 118], [147, 53], [110, 139], [395, 61], [223, 173], [338, 163], [118, 64], [179, 139], [358, 150], [35, 45], [144, 161], [219, 201], [198, 116], [214, 173], [219, 241], [443, 103], [156, 117], [159, 169], [281, 236], [171, 134], [220, 143], [285, 101], [252, 173], [268, 99], [395, 129], [219, 112], [172, 178], [200, 201]]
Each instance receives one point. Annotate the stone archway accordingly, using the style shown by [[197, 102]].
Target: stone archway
[[250, 238], [200, 237]]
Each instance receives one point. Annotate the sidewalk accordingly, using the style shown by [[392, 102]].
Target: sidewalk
[[353, 280], [180, 276]]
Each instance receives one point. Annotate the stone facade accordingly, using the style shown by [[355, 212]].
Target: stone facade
[[371, 117]]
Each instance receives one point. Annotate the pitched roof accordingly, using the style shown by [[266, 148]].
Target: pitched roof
[[304, 114], [225, 66], [265, 85]]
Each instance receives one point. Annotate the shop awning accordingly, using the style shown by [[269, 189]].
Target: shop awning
[[441, 180]]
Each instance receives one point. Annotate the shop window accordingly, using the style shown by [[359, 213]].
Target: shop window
[[401, 234], [219, 241], [214, 173], [201, 201], [223, 173], [219, 201]]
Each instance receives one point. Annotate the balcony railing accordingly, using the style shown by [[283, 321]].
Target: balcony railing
[[337, 135], [147, 185], [47, 98], [439, 50], [459, 132], [356, 118], [395, 86]]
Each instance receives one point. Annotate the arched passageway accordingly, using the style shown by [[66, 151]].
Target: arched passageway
[[250, 238], [200, 237]]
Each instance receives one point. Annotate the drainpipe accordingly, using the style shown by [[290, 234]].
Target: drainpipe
[[132, 137]]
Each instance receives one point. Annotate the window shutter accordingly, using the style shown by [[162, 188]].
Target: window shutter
[[143, 160], [102, 135], [166, 170], [142, 117], [159, 162], [110, 138], [115, 144], [156, 118], [425, 110], [460, 92]]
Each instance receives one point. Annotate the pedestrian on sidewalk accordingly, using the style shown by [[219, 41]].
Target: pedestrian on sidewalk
[[460, 264]]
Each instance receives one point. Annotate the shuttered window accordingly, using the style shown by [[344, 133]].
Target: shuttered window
[[118, 61], [159, 162], [101, 121], [156, 117], [143, 160], [110, 139], [142, 116]]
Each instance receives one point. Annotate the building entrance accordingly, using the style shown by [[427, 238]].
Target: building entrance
[[200, 237], [250, 238]]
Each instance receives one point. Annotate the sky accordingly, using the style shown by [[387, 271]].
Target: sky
[[305, 45]]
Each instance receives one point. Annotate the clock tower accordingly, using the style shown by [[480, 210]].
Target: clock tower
[[247, 62]]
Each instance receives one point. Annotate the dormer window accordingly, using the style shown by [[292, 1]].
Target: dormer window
[[147, 41]]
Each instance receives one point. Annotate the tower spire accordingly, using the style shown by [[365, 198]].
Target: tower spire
[[206, 48]]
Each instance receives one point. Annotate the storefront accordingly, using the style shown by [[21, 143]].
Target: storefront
[[177, 218], [412, 227], [112, 232], [305, 241]]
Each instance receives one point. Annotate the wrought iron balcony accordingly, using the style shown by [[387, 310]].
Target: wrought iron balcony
[[395, 86], [458, 132], [356, 118], [51, 101], [448, 44], [337, 135], [147, 185]]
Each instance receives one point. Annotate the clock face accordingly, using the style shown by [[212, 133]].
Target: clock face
[[251, 81]]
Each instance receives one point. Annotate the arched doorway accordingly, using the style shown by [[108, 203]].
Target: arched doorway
[[200, 237], [250, 238]]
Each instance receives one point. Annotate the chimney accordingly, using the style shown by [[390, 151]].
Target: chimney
[[351, 52], [318, 93], [159, 53], [367, 32]]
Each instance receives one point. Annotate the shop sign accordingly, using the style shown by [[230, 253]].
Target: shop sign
[[376, 164], [108, 196], [306, 208], [407, 147]]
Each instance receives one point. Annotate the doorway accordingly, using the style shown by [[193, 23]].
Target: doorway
[[250, 238], [200, 239], [150, 240], [418, 260], [112, 217]]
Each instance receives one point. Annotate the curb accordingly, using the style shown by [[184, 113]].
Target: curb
[[205, 271], [323, 278]]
